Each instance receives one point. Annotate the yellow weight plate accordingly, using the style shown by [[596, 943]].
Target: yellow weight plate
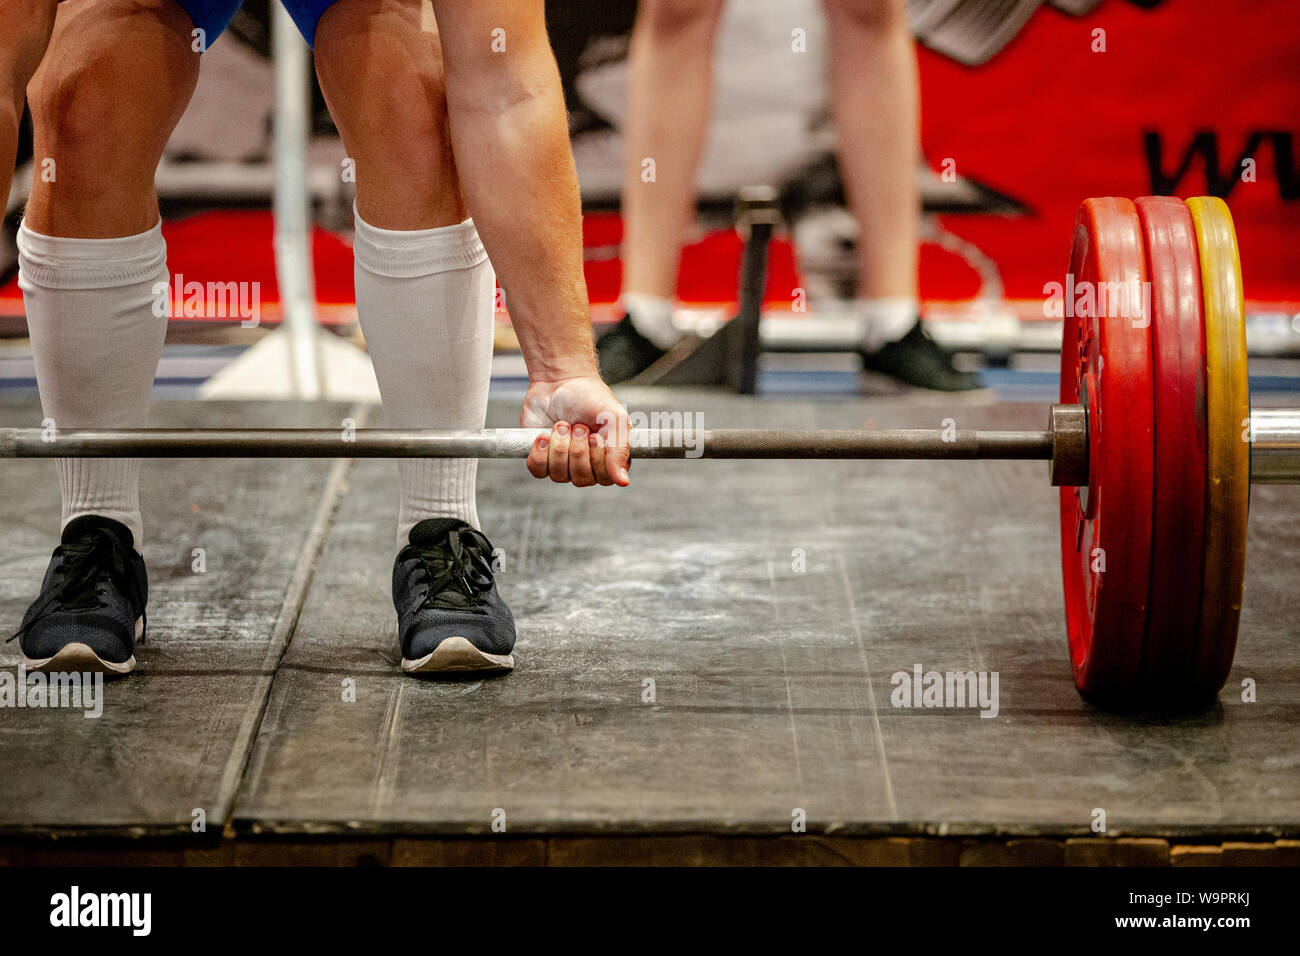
[[1228, 410]]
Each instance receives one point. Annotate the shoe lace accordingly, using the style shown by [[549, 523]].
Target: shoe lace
[[457, 569], [85, 564]]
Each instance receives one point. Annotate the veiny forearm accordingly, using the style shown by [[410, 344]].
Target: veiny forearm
[[510, 138]]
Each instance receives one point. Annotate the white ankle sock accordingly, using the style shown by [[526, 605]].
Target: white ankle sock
[[425, 301], [97, 334], [652, 316], [885, 320]]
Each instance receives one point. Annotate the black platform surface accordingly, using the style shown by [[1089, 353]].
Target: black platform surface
[[710, 651], [224, 543]]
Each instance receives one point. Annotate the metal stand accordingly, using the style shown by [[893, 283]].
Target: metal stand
[[300, 359], [729, 357]]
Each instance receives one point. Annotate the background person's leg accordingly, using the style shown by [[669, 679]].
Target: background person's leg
[[875, 101], [115, 80], [425, 290], [27, 26], [669, 97]]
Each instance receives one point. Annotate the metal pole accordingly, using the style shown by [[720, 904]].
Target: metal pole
[[757, 213], [293, 259], [516, 442]]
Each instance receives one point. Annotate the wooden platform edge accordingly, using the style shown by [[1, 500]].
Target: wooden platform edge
[[649, 850]]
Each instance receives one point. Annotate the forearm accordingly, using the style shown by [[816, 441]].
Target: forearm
[[522, 191], [510, 138]]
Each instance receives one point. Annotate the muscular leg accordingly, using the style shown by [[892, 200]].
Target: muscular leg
[[115, 80], [425, 290], [27, 31], [669, 95], [114, 83], [875, 102], [382, 77]]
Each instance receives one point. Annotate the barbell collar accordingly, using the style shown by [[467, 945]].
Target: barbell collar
[[1068, 426]]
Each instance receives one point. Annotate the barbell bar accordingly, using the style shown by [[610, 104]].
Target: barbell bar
[[516, 443], [1273, 434]]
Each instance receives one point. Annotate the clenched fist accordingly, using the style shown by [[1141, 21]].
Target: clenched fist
[[588, 444]]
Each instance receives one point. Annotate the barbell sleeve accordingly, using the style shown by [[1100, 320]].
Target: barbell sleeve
[[1275, 446]]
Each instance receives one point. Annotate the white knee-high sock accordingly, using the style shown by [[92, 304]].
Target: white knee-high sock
[[652, 316], [425, 300], [881, 321], [97, 326]]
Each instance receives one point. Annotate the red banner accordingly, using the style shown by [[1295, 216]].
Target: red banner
[[1191, 97]]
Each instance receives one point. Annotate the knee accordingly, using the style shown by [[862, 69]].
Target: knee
[[674, 18], [414, 154], [72, 121], [21, 54], [80, 125], [385, 84], [874, 17], [396, 128]]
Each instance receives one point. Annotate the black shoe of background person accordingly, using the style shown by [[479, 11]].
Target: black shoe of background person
[[917, 360], [625, 353]]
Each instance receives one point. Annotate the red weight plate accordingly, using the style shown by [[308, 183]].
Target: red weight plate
[[1178, 505], [1106, 527]]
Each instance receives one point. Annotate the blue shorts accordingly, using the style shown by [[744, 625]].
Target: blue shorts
[[213, 16]]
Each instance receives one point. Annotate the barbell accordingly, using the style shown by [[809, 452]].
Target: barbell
[[1153, 445]]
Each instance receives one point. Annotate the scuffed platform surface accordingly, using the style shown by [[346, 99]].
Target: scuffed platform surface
[[174, 737], [771, 685]]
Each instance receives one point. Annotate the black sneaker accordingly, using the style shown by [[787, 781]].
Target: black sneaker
[[625, 353], [449, 615], [91, 608], [917, 360]]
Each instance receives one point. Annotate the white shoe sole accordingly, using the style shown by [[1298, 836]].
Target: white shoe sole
[[81, 658], [458, 655]]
